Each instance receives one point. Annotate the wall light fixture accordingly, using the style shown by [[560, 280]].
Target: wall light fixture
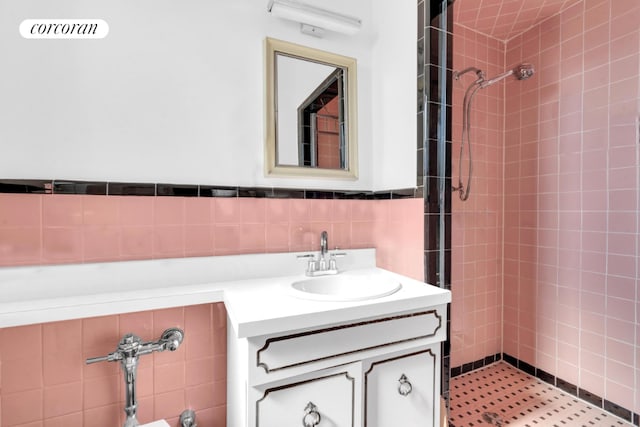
[[313, 19]]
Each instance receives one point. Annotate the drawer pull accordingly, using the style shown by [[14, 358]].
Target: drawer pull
[[404, 388], [312, 416]]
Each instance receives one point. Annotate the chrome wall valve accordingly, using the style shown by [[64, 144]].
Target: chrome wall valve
[[128, 353]]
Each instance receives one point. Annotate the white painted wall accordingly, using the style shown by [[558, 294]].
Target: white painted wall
[[175, 93], [394, 112]]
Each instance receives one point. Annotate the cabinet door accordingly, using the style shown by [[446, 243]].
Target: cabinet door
[[330, 397], [402, 391]]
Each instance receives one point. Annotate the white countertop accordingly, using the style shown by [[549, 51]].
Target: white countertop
[[254, 289]]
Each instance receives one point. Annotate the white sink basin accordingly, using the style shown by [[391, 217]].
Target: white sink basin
[[345, 287]]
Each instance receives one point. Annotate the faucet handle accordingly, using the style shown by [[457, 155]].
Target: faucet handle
[[338, 254], [312, 265], [333, 265], [111, 357]]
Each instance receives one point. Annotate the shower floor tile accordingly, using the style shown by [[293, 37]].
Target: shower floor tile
[[501, 395]]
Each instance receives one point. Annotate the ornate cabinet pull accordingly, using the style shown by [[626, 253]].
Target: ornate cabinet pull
[[404, 388], [312, 416]]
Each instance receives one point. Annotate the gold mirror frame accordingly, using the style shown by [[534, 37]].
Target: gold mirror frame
[[272, 169]]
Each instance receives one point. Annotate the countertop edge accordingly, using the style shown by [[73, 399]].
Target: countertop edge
[[241, 296]]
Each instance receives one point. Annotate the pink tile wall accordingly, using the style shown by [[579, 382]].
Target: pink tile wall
[[43, 379], [476, 276], [571, 287], [52, 229], [45, 382]]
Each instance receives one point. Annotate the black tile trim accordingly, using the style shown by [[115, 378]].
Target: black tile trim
[[80, 187], [592, 398], [618, 410], [529, 369], [510, 360], [456, 371], [545, 376], [476, 364], [130, 189], [177, 190], [185, 190], [567, 387], [26, 186]]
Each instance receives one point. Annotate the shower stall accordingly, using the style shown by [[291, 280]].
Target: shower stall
[[545, 251]]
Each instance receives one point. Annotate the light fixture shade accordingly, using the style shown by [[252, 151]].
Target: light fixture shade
[[307, 14]]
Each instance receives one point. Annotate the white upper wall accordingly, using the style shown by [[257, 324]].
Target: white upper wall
[[175, 92]]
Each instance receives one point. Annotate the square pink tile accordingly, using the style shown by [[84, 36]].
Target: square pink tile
[[277, 211], [101, 243], [135, 211], [62, 399], [169, 211], [20, 210], [252, 210], [169, 241], [20, 245], [100, 210], [62, 358], [199, 240], [136, 242], [21, 408], [62, 244], [62, 210], [198, 210], [168, 377], [277, 237]]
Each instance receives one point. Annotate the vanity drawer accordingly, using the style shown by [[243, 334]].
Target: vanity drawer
[[329, 398], [288, 351]]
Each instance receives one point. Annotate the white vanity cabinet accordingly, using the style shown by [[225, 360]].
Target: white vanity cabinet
[[381, 371]]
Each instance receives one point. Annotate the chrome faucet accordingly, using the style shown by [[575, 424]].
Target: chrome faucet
[[320, 266], [324, 243], [128, 354]]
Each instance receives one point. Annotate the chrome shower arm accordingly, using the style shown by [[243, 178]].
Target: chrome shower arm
[[479, 73], [496, 79]]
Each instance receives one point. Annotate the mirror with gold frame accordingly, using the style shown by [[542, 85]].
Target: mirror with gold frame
[[311, 115]]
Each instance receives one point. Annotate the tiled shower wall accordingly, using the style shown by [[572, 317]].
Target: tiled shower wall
[[571, 243], [43, 378], [476, 317]]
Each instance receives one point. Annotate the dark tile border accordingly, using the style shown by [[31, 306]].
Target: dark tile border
[[618, 410], [477, 364], [567, 387], [80, 187], [545, 376], [17, 186], [26, 186], [592, 398], [563, 385]]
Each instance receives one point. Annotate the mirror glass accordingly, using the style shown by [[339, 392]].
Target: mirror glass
[[311, 126]]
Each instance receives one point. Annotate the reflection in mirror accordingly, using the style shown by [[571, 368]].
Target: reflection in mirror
[[311, 110]]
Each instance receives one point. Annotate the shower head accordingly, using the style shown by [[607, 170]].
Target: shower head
[[521, 72]]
